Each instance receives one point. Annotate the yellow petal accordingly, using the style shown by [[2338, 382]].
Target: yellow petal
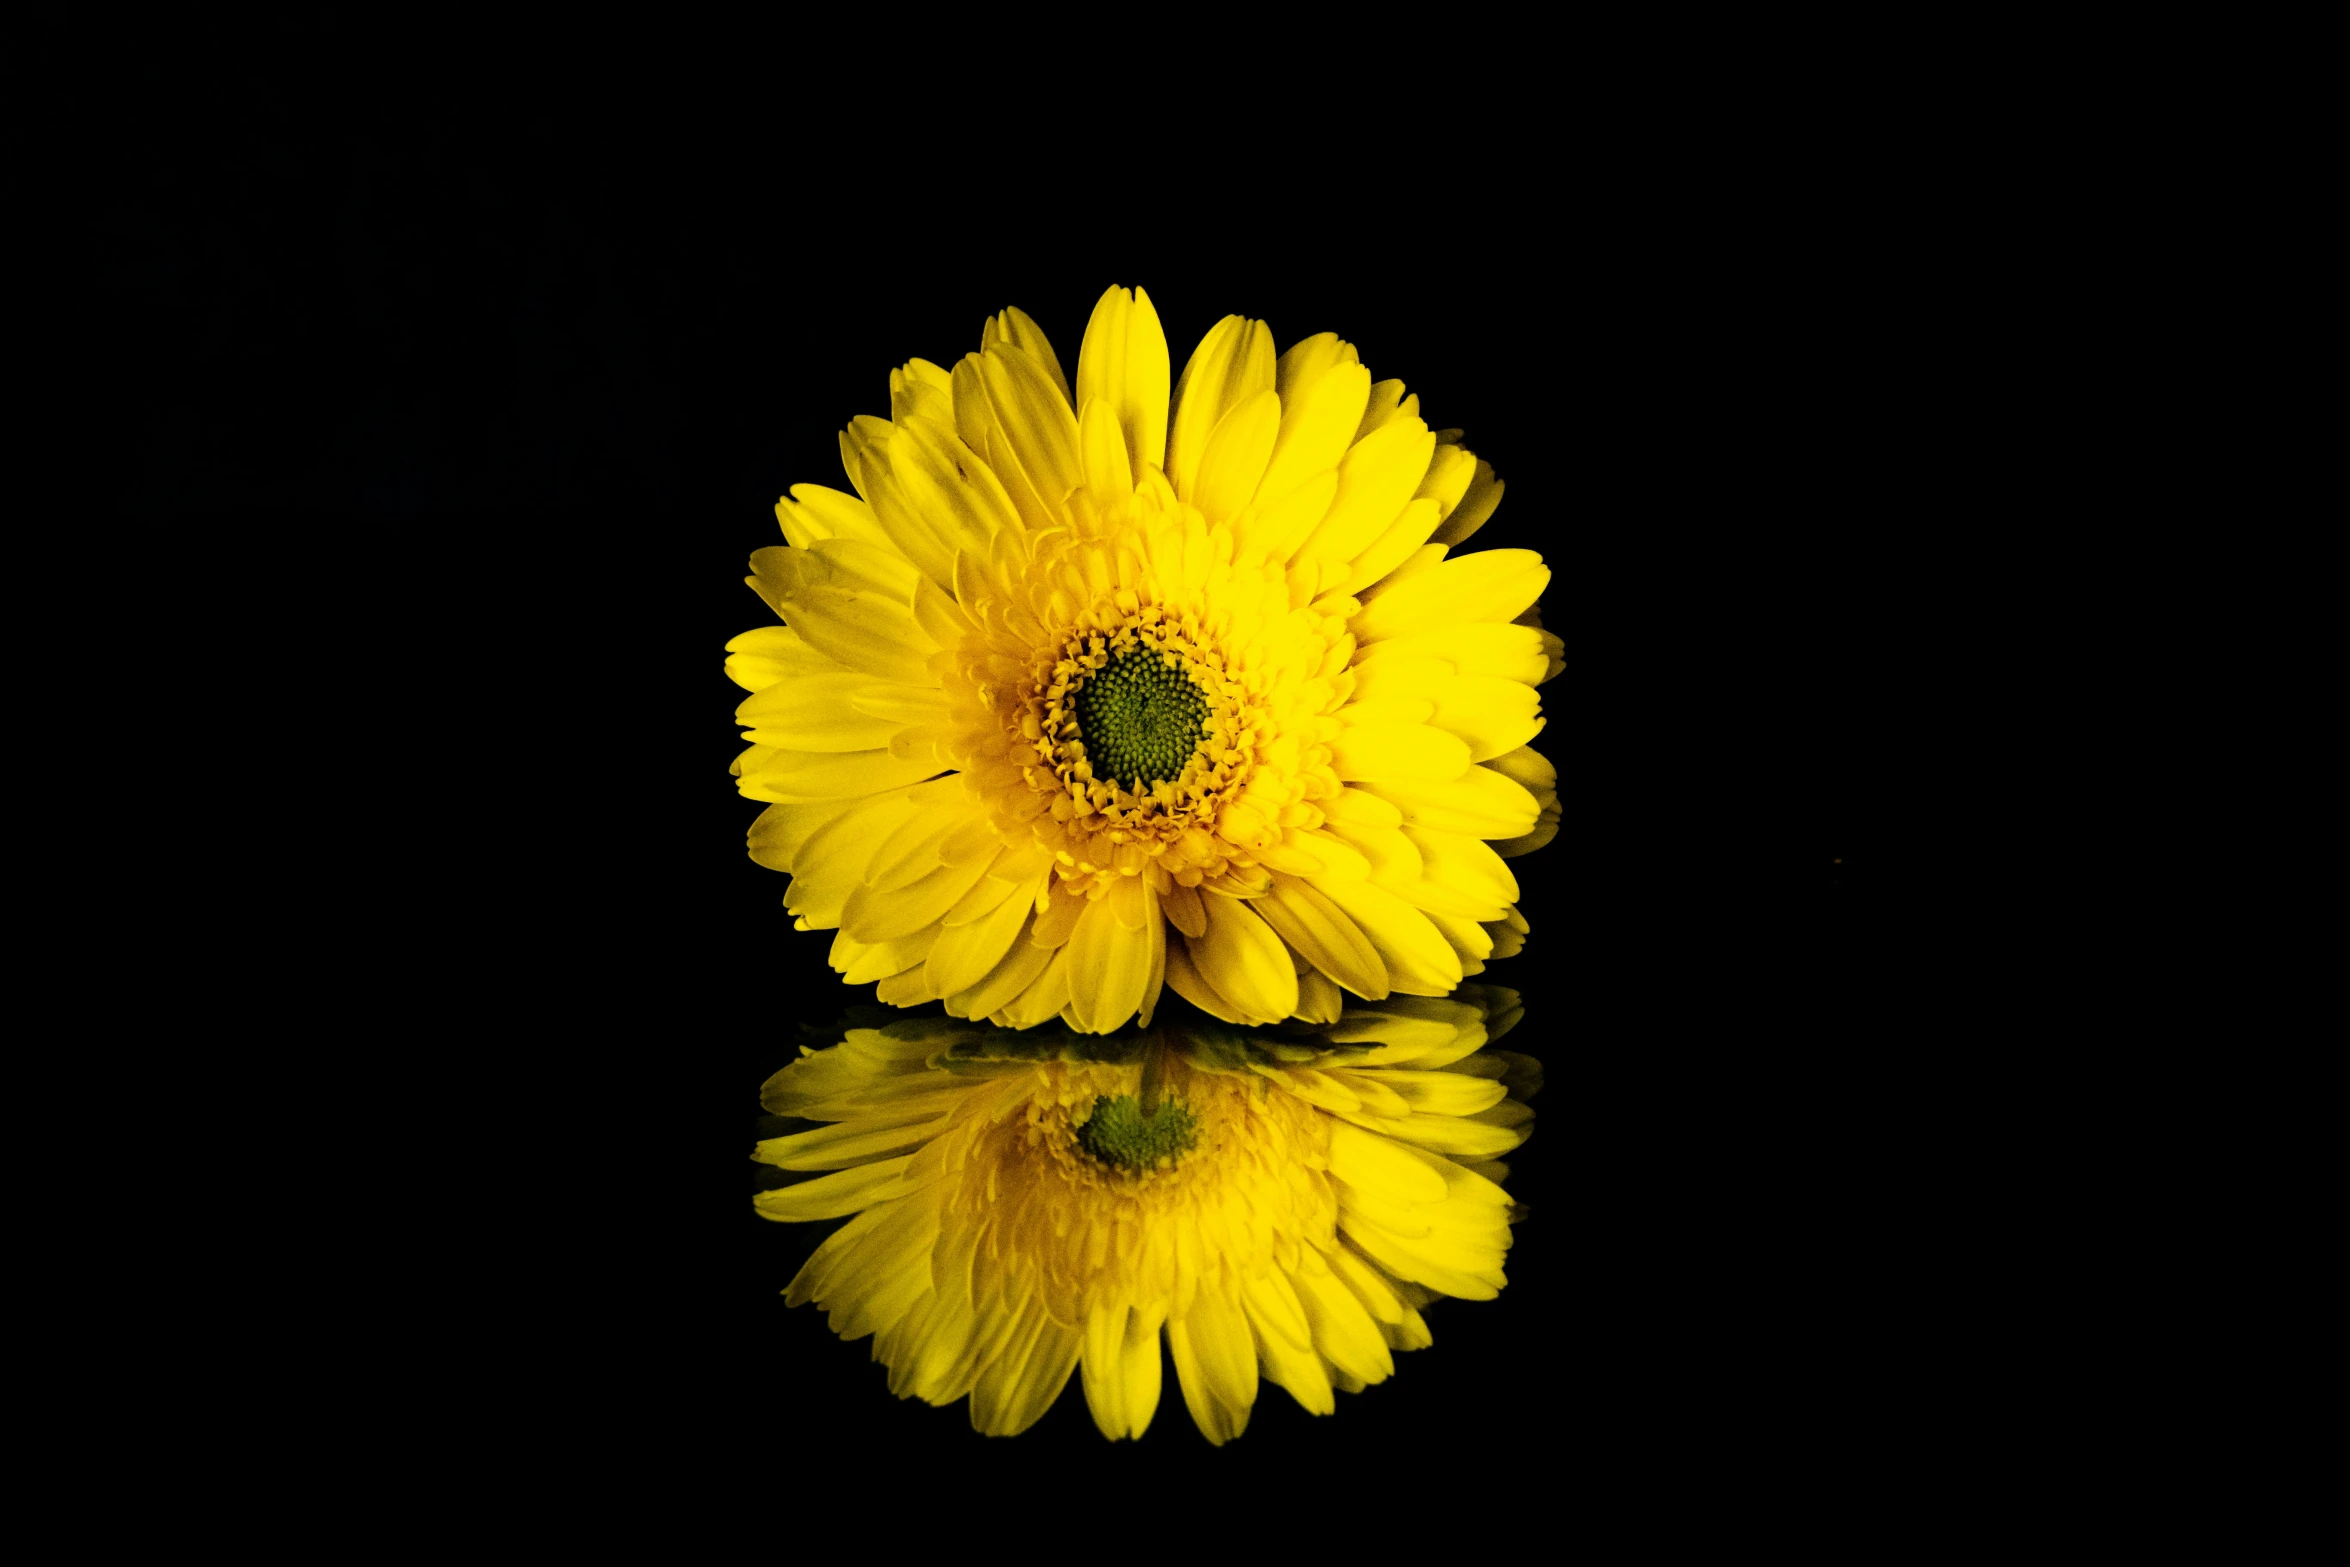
[[1507, 943], [1395, 549], [814, 713], [953, 488], [1491, 585], [1467, 865], [758, 659], [1154, 985], [1529, 768], [1318, 997], [1451, 469], [868, 452], [845, 565], [812, 512], [1317, 424], [1216, 1365], [1245, 961], [1353, 806], [836, 1195], [849, 1143], [909, 987], [940, 617], [1485, 1135], [1495, 717], [1110, 960], [1508, 652], [1058, 917], [1313, 856], [975, 423], [1274, 525], [1232, 364], [1400, 674], [781, 829], [1185, 979], [1037, 423], [1369, 1287], [1380, 1166], [1047, 1372], [1398, 751], [1426, 558], [1344, 1331], [1378, 475], [1285, 1342], [1103, 450], [1405, 1260], [1012, 328], [853, 603], [1044, 998], [1235, 457], [902, 704], [863, 962], [1310, 359], [1418, 960], [1320, 932], [875, 915], [911, 851], [1123, 362], [987, 895], [1143, 1328], [1341, 861], [1480, 802], [1445, 1093], [830, 861], [790, 777], [1181, 903], [1013, 973], [1388, 856], [1468, 938], [1108, 1387], [1010, 1393], [919, 387], [1476, 505], [1387, 402]]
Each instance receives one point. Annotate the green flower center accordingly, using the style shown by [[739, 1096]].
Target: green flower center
[[1119, 1133], [1140, 717]]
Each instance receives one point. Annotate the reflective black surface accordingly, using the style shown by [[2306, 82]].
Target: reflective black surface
[[552, 398]]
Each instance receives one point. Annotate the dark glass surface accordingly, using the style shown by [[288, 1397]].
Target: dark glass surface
[[546, 386]]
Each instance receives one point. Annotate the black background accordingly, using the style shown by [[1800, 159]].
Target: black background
[[544, 376]]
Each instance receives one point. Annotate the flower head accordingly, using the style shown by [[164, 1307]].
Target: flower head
[[1080, 696], [1272, 1204]]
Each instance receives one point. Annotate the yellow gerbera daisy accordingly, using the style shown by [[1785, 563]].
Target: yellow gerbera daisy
[[1072, 671], [1031, 1204]]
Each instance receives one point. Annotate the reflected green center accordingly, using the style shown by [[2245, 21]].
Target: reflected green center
[[1140, 717], [1119, 1133]]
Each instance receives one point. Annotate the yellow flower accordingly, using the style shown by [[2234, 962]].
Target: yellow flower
[[1031, 1204], [1078, 697]]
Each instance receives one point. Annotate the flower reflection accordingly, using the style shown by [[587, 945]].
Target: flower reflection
[[1275, 1203]]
